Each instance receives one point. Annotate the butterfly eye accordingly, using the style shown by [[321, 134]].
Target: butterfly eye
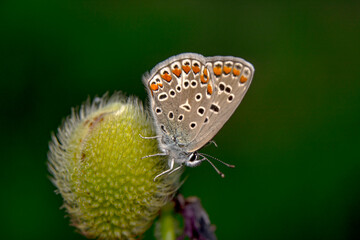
[[193, 157]]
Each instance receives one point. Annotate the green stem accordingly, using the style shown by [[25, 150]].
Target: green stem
[[167, 222]]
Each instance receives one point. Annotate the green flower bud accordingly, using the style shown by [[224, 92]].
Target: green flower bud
[[96, 163]]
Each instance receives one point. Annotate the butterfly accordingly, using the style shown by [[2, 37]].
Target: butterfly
[[191, 98]]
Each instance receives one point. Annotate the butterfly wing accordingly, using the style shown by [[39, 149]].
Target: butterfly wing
[[232, 78], [181, 92]]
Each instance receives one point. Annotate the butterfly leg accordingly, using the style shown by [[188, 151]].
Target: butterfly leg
[[154, 155], [169, 170], [149, 137], [211, 142], [175, 169]]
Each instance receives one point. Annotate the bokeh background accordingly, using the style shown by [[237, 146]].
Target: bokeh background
[[294, 139]]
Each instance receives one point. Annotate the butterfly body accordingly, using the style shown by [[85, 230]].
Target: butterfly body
[[191, 98]]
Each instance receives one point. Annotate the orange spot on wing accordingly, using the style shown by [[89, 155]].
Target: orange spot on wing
[[186, 68], [166, 77], [196, 69], [236, 72], [209, 89], [202, 79], [227, 70], [177, 72], [217, 71], [243, 79], [154, 87]]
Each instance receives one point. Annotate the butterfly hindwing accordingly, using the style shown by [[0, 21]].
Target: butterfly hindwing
[[232, 78]]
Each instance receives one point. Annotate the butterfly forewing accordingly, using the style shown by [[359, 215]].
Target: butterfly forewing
[[181, 93], [232, 78]]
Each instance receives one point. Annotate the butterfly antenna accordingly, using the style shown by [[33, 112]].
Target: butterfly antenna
[[226, 164], [217, 170]]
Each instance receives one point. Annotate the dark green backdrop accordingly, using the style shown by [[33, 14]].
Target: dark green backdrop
[[294, 139]]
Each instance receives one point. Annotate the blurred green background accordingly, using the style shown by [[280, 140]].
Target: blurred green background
[[294, 139]]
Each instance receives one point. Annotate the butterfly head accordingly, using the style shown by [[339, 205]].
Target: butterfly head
[[193, 160]]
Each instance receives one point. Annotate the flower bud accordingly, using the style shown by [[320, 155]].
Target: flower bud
[[96, 163]]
